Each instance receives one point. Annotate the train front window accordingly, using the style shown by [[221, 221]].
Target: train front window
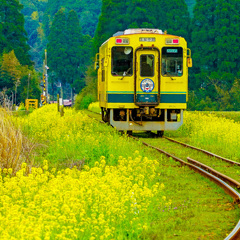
[[122, 61], [147, 65], [172, 61]]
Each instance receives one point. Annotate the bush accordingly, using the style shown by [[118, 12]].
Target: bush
[[86, 96], [21, 107], [82, 102], [88, 93], [86, 101]]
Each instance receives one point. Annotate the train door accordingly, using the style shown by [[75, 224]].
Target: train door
[[147, 77]]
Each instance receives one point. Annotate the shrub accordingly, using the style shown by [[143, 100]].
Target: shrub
[[21, 107], [86, 100], [88, 93]]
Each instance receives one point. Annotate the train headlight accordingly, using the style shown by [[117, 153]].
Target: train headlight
[[123, 41], [172, 41], [173, 116]]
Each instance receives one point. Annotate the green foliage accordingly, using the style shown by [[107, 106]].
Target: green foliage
[[213, 37], [221, 99], [87, 11], [83, 103], [215, 40], [89, 92], [190, 4], [172, 15], [86, 96], [39, 16], [13, 35], [15, 78], [21, 106], [75, 38], [29, 87], [15, 64], [10, 70], [215, 54], [68, 51], [57, 47], [33, 13]]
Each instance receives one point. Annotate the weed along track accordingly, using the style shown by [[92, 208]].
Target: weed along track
[[219, 178]]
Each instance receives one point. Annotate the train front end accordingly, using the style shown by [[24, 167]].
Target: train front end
[[143, 80]]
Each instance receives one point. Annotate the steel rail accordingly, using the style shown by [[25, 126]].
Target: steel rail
[[234, 194], [235, 233], [204, 151], [225, 178]]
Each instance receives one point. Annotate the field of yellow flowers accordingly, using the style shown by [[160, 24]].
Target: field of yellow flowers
[[98, 201], [88, 182], [214, 133], [102, 202]]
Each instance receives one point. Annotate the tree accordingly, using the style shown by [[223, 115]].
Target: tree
[[14, 37], [235, 95], [88, 12], [18, 79], [215, 40], [177, 18], [68, 51], [227, 38], [29, 87], [171, 15], [75, 38], [10, 70], [57, 46]]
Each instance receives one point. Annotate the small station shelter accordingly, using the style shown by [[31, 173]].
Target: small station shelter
[[31, 103]]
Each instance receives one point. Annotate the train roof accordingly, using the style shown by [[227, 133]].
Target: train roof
[[137, 31], [133, 31]]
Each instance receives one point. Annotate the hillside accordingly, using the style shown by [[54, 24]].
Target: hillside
[[190, 4], [39, 15]]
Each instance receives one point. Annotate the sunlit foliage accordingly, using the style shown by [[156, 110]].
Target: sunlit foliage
[[217, 134]]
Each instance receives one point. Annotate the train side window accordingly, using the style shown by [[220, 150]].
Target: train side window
[[147, 65], [103, 71], [122, 61], [172, 61]]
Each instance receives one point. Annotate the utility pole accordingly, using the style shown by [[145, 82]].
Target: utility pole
[[16, 85], [46, 68], [44, 97], [28, 85]]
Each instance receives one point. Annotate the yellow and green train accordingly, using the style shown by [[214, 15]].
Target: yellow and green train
[[143, 80]]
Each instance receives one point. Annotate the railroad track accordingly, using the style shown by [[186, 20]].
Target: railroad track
[[204, 151], [228, 184]]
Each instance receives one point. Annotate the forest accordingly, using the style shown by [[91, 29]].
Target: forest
[[72, 31]]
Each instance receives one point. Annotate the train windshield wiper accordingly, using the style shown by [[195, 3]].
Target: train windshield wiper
[[168, 74], [125, 73]]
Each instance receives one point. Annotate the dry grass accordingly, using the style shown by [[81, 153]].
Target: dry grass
[[11, 143]]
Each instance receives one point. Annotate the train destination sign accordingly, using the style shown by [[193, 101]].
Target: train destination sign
[[147, 39], [171, 50]]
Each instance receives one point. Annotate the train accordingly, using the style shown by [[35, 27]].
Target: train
[[143, 80]]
